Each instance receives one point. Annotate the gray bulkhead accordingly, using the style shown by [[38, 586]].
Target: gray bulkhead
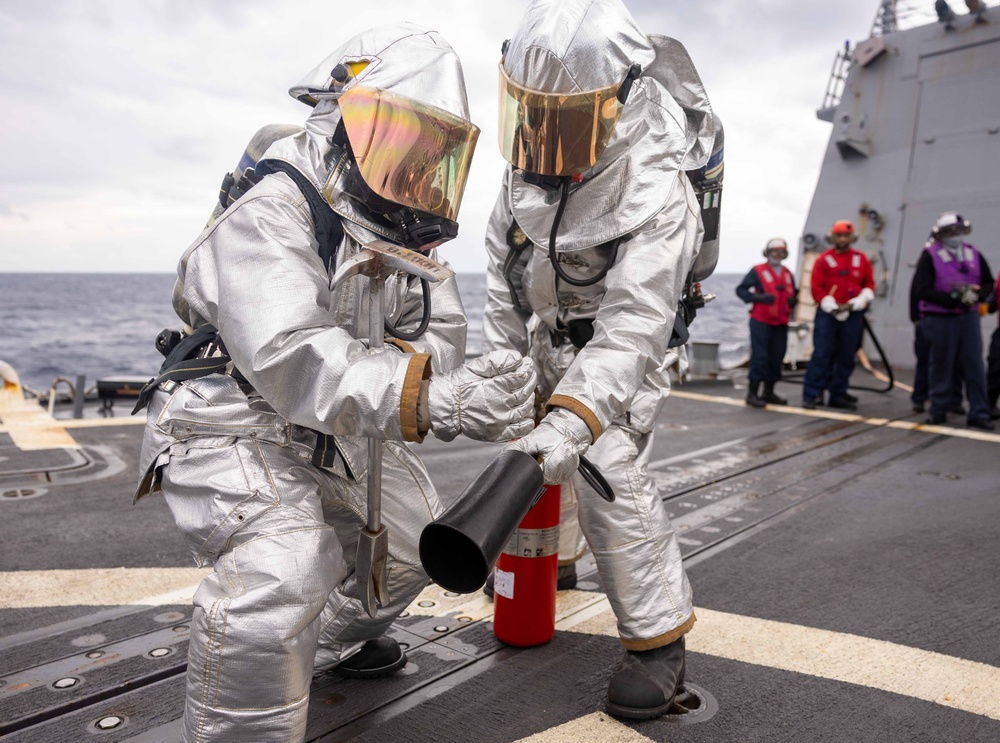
[[916, 132]]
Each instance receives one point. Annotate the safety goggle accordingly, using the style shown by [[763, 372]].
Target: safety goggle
[[408, 152]]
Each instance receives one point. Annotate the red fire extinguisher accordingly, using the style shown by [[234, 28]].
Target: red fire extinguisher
[[525, 576]]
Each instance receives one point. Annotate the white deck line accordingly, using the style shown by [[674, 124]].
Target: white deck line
[[921, 674], [964, 433]]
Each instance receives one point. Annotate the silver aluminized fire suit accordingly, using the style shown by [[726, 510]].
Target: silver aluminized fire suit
[[618, 381], [234, 460]]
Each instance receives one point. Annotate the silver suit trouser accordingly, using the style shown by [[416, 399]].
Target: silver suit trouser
[[282, 535], [634, 545]]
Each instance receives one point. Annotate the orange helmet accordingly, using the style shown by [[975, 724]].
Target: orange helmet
[[843, 227]]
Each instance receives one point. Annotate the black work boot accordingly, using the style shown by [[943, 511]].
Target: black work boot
[[770, 397], [646, 682], [566, 577], [841, 403], [377, 658], [754, 399]]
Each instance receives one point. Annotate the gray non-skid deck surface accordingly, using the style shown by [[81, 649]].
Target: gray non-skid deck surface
[[876, 538]]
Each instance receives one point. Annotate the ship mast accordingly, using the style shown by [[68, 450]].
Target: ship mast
[[885, 19]]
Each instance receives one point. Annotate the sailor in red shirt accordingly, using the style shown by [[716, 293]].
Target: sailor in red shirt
[[770, 287], [843, 286]]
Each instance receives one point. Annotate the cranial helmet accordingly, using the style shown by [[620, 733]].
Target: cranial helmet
[[951, 224], [775, 243], [843, 227]]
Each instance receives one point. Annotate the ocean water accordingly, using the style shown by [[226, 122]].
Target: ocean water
[[103, 325]]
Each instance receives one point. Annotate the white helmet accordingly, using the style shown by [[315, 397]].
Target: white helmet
[[950, 224], [775, 243]]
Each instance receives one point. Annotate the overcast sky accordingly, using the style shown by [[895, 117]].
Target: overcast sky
[[119, 118]]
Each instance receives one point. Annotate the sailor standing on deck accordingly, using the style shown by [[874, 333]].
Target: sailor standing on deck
[[770, 287], [993, 359], [951, 280], [593, 234], [843, 285], [263, 462]]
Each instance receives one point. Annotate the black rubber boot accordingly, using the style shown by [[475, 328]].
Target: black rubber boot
[[754, 399], [565, 579], [770, 397], [377, 658], [645, 684], [841, 403]]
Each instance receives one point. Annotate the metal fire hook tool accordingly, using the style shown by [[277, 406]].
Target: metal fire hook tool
[[379, 260]]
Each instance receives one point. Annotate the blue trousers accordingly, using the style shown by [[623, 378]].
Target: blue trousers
[[921, 379], [767, 350], [993, 369], [955, 343], [834, 345]]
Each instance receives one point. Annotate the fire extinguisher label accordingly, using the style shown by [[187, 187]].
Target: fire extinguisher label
[[533, 542], [503, 583]]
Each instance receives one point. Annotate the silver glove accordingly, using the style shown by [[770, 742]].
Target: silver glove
[[490, 398], [559, 440]]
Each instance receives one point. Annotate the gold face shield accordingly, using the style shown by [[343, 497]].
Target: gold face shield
[[555, 134], [408, 152]]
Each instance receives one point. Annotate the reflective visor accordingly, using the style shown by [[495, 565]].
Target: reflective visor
[[408, 152], [554, 134]]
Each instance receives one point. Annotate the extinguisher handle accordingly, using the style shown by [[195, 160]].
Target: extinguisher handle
[[596, 480]]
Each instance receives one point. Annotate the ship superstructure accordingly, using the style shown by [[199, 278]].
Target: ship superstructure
[[916, 132]]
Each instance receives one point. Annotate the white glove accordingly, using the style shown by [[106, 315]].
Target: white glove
[[860, 303], [491, 398], [559, 440], [828, 304], [841, 316]]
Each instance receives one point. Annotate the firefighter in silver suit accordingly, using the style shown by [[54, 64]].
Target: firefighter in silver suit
[[590, 243], [263, 461]]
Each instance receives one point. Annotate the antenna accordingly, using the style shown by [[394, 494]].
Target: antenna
[[885, 19]]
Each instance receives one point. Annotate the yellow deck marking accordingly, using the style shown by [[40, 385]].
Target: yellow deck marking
[[595, 726], [29, 425], [65, 423], [29, 589], [934, 677], [962, 433], [943, 679]]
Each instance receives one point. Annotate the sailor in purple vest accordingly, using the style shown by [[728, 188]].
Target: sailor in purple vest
[[921, 381], [770, 288], [951, 280]]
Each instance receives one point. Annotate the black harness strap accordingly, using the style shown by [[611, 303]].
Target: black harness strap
[[180, 364], [329, 231]]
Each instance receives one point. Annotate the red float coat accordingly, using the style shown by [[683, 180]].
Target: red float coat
[[782, 287], [842, 274]]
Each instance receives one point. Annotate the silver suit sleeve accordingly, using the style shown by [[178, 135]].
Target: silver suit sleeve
[[636, 315], [257, 277]]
